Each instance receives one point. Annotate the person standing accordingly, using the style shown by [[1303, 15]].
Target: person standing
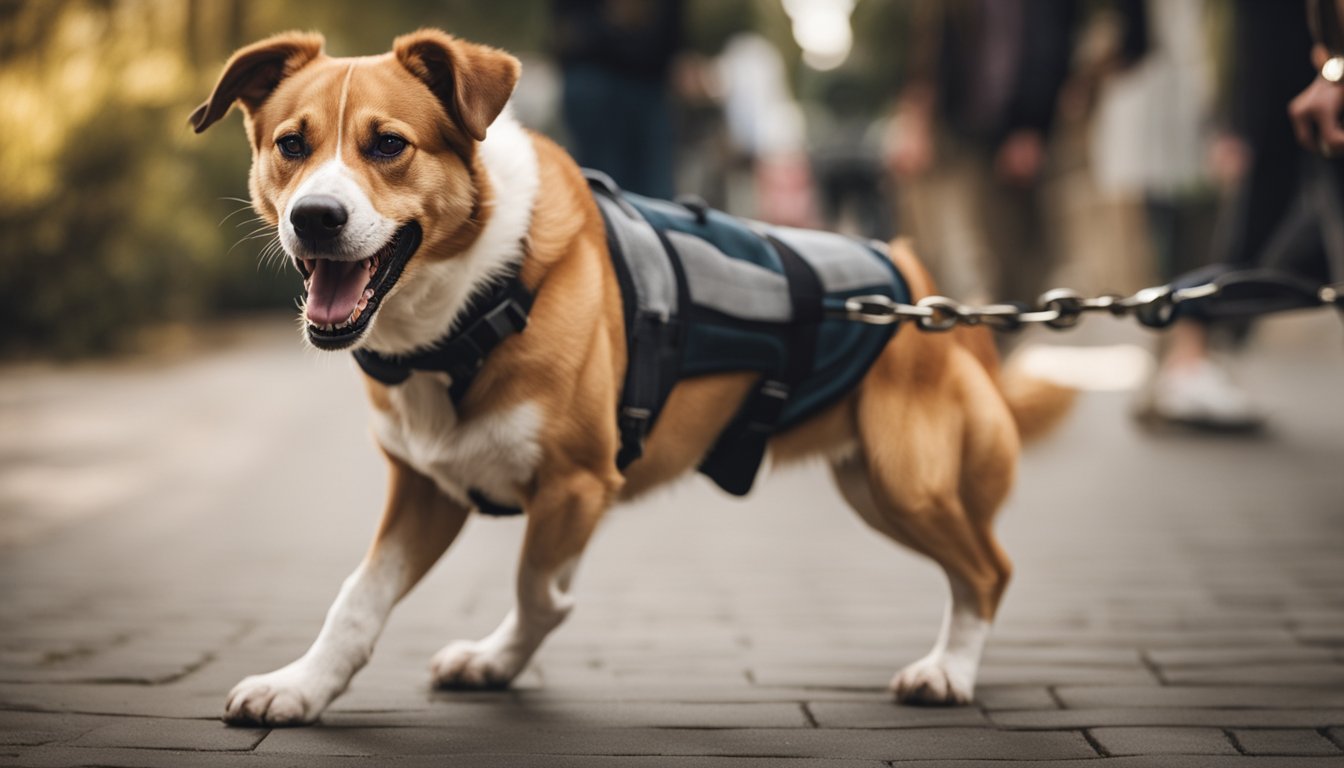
[[615, 57], [970, 136], [1288, 212]]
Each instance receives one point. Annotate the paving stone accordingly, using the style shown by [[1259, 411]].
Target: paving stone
[[155, 733], [136, 758], [1258, 697], [583, 714], [34, 728], [143, 700], [1005, 655], [1050, 674], [1300, 742], [993, 697], [1018, 674], [127, 665], [66, 758], [1329, 635], [1163, 741], [1183, 716], [1330, 675], [788, 586], [850, 714], [1191, 637], [907, 744], [1216, 657]]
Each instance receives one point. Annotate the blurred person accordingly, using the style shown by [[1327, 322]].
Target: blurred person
[[969, 140], [615, 57], [1151, 140], [1318, 112], [1285, 213], [770, 177], [847, 160]]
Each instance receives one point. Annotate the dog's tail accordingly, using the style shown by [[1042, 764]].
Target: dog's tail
[[1038, 405]]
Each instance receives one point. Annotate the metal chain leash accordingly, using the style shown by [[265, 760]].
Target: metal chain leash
[[1242, 293]]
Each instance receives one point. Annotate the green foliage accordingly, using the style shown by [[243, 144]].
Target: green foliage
[[113, 213]]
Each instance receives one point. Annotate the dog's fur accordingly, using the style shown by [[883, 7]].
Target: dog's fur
[[924, 448]]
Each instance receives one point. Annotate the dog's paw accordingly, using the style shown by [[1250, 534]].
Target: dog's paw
[[477, 665], [291, 695], [932, 681]]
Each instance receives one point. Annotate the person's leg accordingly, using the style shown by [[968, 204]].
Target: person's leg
[[589, 106], [650, 147]]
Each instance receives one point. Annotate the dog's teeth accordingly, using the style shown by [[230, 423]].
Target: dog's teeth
[[368, 294]]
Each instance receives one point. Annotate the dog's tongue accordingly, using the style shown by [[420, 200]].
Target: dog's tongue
[[334, 290]]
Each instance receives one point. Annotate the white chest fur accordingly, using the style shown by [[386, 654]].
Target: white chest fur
[[494, 453]]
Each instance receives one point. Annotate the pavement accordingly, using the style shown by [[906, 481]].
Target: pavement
[[167, 527]]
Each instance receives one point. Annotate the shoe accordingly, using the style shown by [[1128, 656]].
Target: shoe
[[1203, 396]]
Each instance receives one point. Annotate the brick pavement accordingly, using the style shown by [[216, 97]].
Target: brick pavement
[[1179, 601]]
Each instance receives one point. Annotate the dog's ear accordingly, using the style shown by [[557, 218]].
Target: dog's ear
[[473, 82], [252, 73]]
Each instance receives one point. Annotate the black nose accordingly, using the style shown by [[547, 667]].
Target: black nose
[[318, 218]]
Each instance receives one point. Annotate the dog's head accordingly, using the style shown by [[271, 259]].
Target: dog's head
[[363, 164]]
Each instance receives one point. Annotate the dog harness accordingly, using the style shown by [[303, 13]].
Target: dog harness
[[703, 292]]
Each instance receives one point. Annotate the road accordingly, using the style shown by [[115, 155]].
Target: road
[[173, 525]]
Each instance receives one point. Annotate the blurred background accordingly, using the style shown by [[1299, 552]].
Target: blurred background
[[1021, 144], [1087, 141]]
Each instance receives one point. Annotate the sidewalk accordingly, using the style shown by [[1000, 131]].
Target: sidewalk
[[1179, 601]]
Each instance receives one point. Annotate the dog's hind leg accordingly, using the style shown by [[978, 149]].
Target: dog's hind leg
[[935, 488], [561, 518], [418, 525]]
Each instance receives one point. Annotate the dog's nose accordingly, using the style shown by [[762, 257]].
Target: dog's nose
[[318, 218]]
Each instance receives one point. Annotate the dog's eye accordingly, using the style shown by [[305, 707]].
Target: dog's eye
[[388, 145], [292, 146]]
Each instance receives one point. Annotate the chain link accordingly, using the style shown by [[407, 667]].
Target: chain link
[[1062, 308]]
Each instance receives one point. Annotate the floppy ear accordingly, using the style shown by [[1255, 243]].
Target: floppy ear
[[473, 82], [253, 73]]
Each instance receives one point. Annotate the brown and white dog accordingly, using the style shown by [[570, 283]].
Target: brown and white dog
[[355, 157]]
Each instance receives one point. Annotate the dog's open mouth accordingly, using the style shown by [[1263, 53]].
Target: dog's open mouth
[[343, 295]]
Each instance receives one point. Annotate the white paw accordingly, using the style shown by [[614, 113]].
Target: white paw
[[291, 695], [467, 664], [932, 680]]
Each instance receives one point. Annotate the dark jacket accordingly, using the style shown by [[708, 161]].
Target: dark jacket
[[634, 38], [1041, 44]]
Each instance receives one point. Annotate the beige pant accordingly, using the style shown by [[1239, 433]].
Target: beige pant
[[983, 240]]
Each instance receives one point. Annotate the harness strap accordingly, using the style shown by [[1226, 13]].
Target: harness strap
[[489, 319], [737, 455], [651, 300]]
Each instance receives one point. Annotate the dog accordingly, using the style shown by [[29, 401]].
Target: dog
[[401, 188]]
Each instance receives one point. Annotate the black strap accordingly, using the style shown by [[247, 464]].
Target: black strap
[[736, 456], [489, 319], [653, 339], [488, 506]]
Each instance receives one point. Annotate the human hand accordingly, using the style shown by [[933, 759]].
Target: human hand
[[1020, 157], [1229, 157], [909, 146], [1316, 114]]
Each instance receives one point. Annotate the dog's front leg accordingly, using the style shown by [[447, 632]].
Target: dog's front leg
[[560, 521], [418, 525]]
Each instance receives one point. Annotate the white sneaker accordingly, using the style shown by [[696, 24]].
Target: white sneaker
[[1204, 396]]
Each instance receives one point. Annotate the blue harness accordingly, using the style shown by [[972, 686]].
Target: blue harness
[[703, 292], [706, 292]]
